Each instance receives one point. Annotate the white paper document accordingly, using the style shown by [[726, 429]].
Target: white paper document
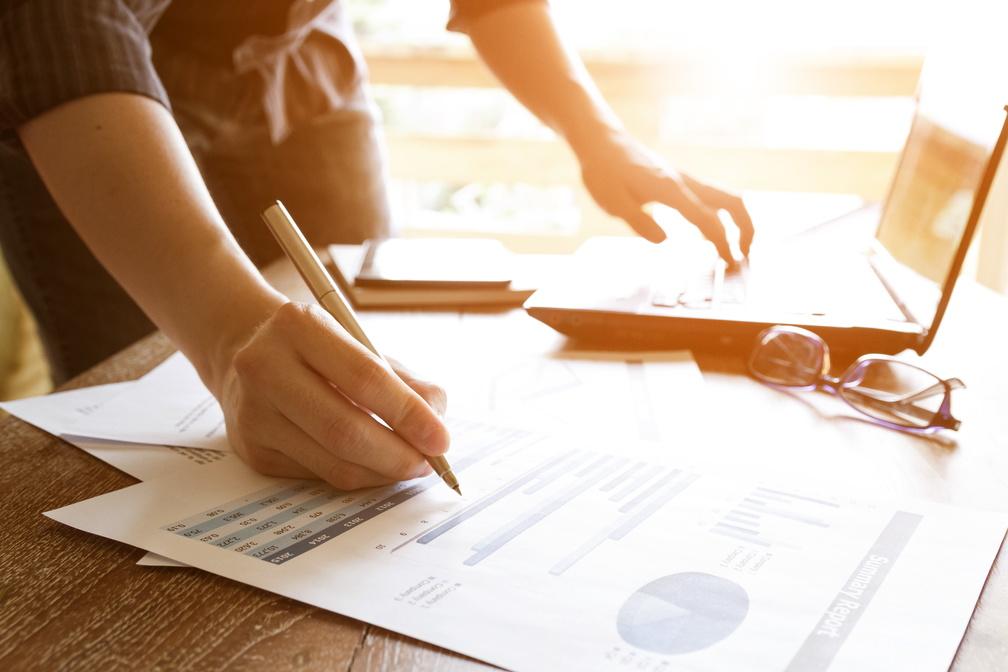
[[642, 394], [62, 414], [168, 406], [569, 555]]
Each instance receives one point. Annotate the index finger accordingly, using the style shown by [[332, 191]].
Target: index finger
[[368, 381], [733, 204], [679, 196]]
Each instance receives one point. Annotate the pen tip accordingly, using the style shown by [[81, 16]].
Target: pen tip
[[457, 489]]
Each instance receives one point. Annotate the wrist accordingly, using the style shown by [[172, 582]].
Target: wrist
[[597, 141], [235, 323]]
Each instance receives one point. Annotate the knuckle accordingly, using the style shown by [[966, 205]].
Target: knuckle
[[291, 315], [369, 375], [247, 362], [340, 437], [437, 395], [413, 417], [401, 369]]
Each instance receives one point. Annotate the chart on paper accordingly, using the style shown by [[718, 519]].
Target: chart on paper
[[596, 555], [774, 518], [282, 522], [279, 523]]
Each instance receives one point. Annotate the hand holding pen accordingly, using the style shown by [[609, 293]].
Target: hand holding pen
[[380, 389], [302, 397]]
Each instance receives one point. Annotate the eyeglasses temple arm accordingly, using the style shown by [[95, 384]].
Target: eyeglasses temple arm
[[950, 384], [903, 406]]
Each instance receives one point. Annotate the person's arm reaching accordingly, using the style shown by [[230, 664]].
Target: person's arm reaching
[[293, 384], [520, 44]]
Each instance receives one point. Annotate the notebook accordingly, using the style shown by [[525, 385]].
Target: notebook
[[529, 272]]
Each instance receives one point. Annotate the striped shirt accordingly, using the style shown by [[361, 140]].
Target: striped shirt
[[54, 51]]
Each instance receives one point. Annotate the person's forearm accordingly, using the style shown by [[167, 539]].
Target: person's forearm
[[520, 44], [120, 171]]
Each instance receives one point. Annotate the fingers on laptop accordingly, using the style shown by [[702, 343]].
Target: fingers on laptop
[[677, 194], [730, 203]]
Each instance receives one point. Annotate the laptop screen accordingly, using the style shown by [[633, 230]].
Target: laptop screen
[[932, 194]]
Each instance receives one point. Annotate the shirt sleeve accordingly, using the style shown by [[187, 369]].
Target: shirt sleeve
[[464, 12], [54, 51]]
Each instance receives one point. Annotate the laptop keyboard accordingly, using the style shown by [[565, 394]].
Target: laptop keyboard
[[702, 287]]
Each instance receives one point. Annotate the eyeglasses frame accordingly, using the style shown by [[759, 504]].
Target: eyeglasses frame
[[941, 419]]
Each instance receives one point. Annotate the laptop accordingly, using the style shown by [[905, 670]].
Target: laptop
[[876, 280]]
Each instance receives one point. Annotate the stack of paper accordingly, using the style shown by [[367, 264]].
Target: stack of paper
[[569, 551], [168, 420]]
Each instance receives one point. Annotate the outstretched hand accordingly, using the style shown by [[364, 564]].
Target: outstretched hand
[[623, 176]]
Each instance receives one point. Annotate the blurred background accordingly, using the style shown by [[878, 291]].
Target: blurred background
[[802, 106]]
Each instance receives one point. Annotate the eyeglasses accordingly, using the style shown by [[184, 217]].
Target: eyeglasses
[[891, 392]]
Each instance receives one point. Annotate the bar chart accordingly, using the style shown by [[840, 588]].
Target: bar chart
[[774, 518], [552, 506], [280, 523], [621, 493]]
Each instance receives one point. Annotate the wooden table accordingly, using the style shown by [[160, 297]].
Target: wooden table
[[69, 600]]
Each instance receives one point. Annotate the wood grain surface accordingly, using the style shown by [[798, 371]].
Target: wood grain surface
[[72, 601]]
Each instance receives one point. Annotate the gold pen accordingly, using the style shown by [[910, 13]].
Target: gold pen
[[321, 284]]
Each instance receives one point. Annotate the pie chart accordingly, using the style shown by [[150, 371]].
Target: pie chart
[[681, 613]]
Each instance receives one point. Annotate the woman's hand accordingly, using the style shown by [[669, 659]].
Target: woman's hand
[[622, 176], [298, 399]]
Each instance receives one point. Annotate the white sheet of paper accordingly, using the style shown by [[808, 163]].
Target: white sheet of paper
[[603, 392], [643, 395], [58, 413], [62, 414], [147, 460], [169, 406], [563, 557]]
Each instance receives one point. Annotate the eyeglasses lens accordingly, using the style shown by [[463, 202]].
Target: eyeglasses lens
[[788, 358], [894, 392]]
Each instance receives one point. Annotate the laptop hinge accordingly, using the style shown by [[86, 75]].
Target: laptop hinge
[[893, 294]]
